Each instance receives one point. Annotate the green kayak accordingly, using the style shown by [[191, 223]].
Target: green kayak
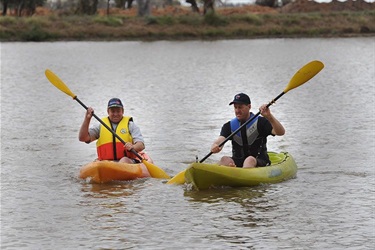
[[203, 176]]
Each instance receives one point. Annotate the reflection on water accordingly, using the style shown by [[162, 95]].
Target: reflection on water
[[178, 93], [252, 203], [226, 194], [113, 189]]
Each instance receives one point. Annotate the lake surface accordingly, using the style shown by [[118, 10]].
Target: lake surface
[[178, 93]]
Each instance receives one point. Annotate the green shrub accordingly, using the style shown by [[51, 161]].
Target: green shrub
[[252, 19], [7, 20], [166, 20], [150, 20], [36, 34], [291, 20], [7, 34], [190, 20], [215, 20], [36, 21], [162, 20], [214, 33], [109, 21]]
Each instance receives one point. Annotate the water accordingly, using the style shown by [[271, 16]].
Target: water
[[178, 93]]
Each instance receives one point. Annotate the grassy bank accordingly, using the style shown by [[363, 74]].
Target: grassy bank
[[187, 26]]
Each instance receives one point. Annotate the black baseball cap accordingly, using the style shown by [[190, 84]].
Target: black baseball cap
[[241, 98], [115, 102]]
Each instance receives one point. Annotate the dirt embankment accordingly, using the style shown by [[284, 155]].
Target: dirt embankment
[[334, 19], [301, 6], [311, 6], [297, 6]]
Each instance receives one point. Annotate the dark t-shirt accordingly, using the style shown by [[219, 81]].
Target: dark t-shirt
[[258, 148]]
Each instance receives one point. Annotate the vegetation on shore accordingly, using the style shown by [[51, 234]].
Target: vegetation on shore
[[188, 25]]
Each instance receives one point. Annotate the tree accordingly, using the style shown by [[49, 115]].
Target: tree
[[208, 5], [129, 4], [87, 7], [26, 7], [194, 5], [120, 4], [269, 3], [144, 7], [124, 4], [5, 6]]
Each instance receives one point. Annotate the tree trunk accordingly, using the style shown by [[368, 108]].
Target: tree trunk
[[144, 7], [20, 7], [208, 6], [5, 7], [129, 4], [87, 7], [31, 7], [194, 5], [120, 4], [269, 3]]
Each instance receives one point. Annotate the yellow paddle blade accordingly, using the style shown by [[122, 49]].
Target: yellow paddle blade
[[304, 74], [55, 80], [178, 179], [155, 171]]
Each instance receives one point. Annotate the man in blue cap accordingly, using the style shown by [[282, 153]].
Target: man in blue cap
[[107, 147], [249, 145]]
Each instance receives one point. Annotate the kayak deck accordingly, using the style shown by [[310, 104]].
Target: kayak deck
[[107, 171], [203, 176]]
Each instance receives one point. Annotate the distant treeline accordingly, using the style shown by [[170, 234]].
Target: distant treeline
[[21, 7], [90, 7]]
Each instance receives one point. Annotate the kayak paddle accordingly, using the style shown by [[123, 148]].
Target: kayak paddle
[[300, 77], [155, 171]]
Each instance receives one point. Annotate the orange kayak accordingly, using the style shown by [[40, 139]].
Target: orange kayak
[[107, 171]]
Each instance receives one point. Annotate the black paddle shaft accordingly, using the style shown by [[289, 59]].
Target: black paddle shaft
[[247, 122], [106, 126]]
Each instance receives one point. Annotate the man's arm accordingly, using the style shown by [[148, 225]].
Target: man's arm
[[277, 127], [84, 134]]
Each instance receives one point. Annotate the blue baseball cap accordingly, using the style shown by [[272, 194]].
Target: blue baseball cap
[[115, 102]]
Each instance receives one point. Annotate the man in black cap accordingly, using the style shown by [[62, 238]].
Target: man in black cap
[[107, 147], [249, 145]]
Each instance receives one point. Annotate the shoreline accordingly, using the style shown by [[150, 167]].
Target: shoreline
[[188, 26]]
